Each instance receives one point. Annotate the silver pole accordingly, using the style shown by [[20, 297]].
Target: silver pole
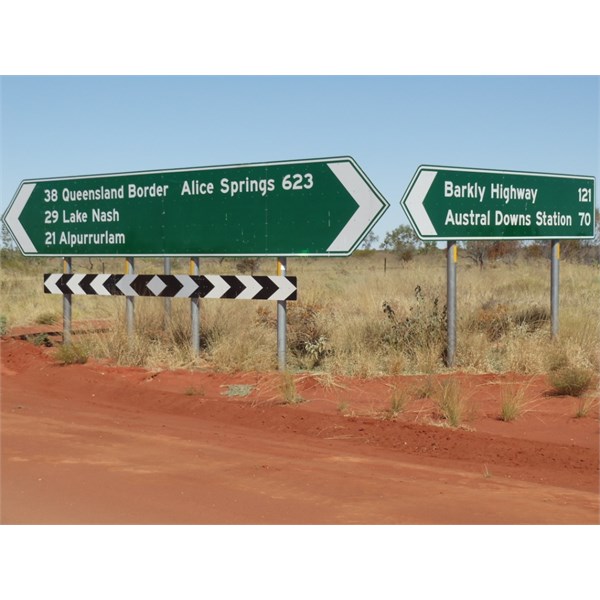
[[195, 308], [129, 300], [67, 303], [451, 260], [281, 320], [554, 285], [167, 269]]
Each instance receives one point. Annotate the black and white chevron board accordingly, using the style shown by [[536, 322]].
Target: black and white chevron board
[[239, 287]]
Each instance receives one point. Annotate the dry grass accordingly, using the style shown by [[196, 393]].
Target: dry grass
[[585, 405], [70, 354], [514, 402], [399, 399], [453, 407], [340, 325], [571, 381], [288, 391]]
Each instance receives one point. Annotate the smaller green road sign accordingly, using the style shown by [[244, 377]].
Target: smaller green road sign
[[447, 203]]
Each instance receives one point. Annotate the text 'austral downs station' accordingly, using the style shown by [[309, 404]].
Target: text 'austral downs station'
[[446, 203]]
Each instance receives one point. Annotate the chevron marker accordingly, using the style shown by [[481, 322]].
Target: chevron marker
[[73, 283], [50, 283], [414, 203], [238, 287]]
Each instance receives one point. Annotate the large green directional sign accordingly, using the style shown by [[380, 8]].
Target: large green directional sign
[[315, 207], [446, 203]]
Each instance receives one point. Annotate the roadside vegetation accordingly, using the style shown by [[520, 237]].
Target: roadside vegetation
[[379, 312]]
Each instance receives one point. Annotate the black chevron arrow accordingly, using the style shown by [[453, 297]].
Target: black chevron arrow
[[61, 284], [85, 284], [205, 287], [269, 287], [236, 286], [173, 285]]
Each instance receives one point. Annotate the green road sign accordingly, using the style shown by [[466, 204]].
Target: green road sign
[[316, 207], [445, 203]]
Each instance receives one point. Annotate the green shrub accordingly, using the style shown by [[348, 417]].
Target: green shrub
[[425, 326], [571, 381], [3, 324], [41, 339]]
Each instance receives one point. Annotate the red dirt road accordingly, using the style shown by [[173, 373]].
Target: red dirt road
[[96, 443]]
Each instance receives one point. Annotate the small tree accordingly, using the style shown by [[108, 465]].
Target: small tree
[[370, 240], [482, 251], [248, 265], [6, 238], [402, 241]]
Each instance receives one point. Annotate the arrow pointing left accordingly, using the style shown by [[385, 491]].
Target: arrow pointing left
[[13, 214]]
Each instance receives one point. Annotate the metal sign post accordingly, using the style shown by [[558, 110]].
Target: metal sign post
[[195, 308], [451, 260], [554, 285], [281, 320], [67, 303], [130, 300], [167, 301]]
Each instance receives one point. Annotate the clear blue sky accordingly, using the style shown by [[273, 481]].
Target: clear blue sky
[[62, 126]]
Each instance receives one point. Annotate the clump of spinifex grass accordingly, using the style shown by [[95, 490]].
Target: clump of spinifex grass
[[514, 402], [571, 381], [3, 324], [398, 402], [586, 404], [452, 406], [287, 388], [70, 354], [46, 318]]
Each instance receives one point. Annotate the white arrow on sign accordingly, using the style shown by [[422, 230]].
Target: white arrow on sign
[[221, 286], [12, 218], [124, 285], [414, 202], [73, 283], [51, 282], [286, 287], [368, 202], [98, 285], [189, 286], [252, 287]]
